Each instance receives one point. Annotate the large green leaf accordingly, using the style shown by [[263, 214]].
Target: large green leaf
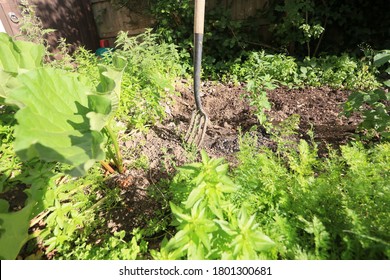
[[110, 79], [14, 231], [16, 57], [382, 58], [55, 120], [7, 82]]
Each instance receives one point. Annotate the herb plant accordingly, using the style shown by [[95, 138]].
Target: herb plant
[[208, 225]]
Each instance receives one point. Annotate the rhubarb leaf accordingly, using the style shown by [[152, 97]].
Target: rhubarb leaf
[[55, 120]]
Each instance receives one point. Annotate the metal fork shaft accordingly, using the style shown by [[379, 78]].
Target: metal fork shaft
[[199, 119]]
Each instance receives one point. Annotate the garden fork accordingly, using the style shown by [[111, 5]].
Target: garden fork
[[199, 119]]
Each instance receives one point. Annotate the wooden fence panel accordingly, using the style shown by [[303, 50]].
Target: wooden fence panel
[[84, 22], [110, 20], [9, 16], [72, 19]]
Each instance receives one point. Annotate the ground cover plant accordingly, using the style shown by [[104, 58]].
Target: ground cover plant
[[294, 165]]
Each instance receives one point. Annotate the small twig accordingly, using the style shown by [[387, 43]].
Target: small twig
[[322, 34]]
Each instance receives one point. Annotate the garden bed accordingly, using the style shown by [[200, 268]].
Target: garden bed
[[230, 115]]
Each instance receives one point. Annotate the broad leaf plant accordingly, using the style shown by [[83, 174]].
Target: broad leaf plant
[[60, 118]]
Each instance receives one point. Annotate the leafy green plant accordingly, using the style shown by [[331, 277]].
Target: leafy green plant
[[112, 247], [59, 119], [337, 72], [9, 163], [258, 97], [208, 225], [31, 26], [374, 105], [70, 219], [13, 229], [16, 57], [341, 71], [317, 208], [174, 21], [263, 72], [307, 27], [148, 79], [52, 125]]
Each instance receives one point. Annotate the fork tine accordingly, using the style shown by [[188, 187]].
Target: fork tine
[[192, 126], [197, 129], [203, 122]]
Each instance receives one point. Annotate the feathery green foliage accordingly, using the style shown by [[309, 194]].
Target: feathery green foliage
[[334, 208]]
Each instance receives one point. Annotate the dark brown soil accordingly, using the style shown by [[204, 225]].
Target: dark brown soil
[[230, 113], [317, 107]]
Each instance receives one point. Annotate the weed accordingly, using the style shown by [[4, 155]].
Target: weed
[[71, 226], [374, 104], [31, 26], [153, 65]]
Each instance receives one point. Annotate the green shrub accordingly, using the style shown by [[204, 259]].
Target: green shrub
[[334, 71], [73, 228]]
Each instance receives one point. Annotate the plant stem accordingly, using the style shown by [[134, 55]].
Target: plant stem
[[107, 167], [118, 156]]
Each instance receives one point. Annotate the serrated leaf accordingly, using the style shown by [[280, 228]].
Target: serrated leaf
[[52, 120], [262, 242], [204, 237], [226, 185], [226, 227], [222, 169], [190, 168], [179, 240]]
